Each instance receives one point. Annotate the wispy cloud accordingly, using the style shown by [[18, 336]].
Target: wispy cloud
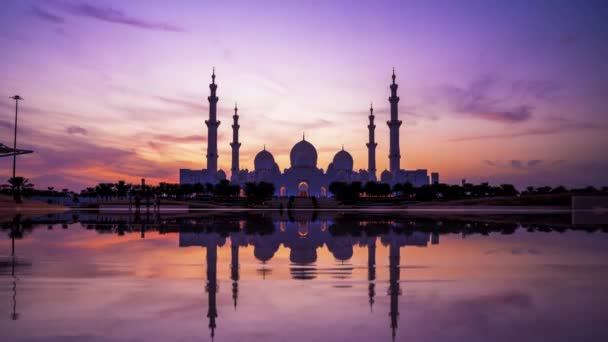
[[555, 126], [44, 14], [521, 165], [115, 16], [488, 98], [166, 138], [76, 130]]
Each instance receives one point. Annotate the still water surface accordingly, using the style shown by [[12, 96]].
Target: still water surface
[[302, 277]]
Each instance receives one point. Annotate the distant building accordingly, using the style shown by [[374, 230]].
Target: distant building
[[303, 177], [435, 178]]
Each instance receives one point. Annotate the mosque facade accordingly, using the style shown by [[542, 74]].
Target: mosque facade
[[303, 177]]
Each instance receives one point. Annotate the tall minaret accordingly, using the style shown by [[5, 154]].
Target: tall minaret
[[235, 144], [212, 125], [394, 155], [371, 146]]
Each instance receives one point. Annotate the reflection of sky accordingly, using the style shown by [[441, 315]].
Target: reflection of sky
[[529, 286], [506, 92]]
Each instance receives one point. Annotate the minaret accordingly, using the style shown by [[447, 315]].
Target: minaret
[[371, 146], [212, 125], [394, 155], [235, 144]]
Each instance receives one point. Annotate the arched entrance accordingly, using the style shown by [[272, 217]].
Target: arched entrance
[[323, 191], [283, 191], [303, 189]]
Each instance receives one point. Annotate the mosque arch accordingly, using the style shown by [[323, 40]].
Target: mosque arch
[[323, 191], [303, 189], [283, 191]]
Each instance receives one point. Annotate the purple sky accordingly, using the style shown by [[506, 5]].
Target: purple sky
[[509, 91]]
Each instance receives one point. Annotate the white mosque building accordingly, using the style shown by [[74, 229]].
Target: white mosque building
[[303, 177]]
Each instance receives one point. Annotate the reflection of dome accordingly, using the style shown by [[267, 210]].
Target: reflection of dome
[[303, 256], [264, 161], [343, 161], [386, 176], [303, 154], [341, 249]]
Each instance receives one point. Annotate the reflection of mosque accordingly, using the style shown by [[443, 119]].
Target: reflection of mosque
[[304, 177], [303, 239]]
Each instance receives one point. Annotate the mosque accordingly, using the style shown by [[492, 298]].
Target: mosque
[[304, 178]]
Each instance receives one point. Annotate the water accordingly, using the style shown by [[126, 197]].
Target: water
[[303, 277]]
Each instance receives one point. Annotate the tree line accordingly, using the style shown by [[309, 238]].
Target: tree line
[[357, 190]]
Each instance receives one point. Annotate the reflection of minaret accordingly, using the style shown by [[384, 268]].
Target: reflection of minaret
[[212, 286], [212, 125], [394, 124], [235, 144], [234, 272], [394, 290], [371, 147], [371, 271]]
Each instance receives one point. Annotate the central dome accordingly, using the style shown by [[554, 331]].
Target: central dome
[[263, 161], [303, 154]]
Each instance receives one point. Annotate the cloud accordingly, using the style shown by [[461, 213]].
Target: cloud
[[76, 130], [115, 16], [514, 251], [517, 114], [44, 14], [551, 126], [488, 98], [167, 138], [517, 164]]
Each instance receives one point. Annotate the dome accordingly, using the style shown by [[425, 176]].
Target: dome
[[386, 176], [264, 160], [303, 154], [221, 175], [343, 161]]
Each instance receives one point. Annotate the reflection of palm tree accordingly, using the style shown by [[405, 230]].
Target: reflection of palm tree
[[19, 185]]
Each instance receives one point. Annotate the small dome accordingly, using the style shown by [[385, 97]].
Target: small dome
[[221, 175], [264, 161], [303, 154], [343, 161], [386, 176]]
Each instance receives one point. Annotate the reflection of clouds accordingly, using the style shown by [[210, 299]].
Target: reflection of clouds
[[495, 302], [514, 251]]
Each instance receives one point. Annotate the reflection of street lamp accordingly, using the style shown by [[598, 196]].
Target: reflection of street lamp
[[16, 98]]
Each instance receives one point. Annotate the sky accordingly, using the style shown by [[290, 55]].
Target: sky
[[497, 91]]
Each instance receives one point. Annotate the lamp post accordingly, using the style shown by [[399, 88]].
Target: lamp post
[[16, 98]]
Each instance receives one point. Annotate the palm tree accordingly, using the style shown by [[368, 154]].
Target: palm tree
[[19, 185]]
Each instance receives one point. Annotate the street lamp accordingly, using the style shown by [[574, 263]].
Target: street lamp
[[17, 98]]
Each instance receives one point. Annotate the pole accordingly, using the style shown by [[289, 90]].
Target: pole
[[16, 98]]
